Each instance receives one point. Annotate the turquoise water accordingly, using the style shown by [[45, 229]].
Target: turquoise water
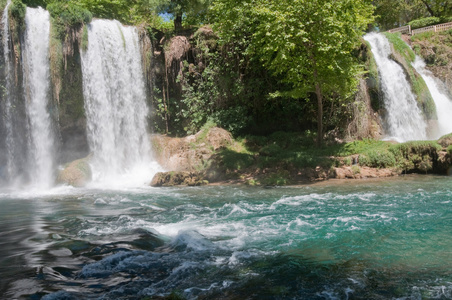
[[336, 240]]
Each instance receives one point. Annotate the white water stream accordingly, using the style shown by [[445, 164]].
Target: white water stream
[[11, 170], [442, 101], [115, 104], [36, 69], [403, 118]]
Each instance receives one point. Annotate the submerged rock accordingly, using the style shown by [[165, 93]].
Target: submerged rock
[[76, 173]]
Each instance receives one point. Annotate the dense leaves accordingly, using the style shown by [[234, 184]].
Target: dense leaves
[[395, 13], [308, 43]]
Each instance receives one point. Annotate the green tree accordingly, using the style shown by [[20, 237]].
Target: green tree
[[437, 8], [394, 13], [307, 43], [192, 10]]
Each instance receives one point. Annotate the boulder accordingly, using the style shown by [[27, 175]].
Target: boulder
[[189, 153], [76, 173], [177, 178]]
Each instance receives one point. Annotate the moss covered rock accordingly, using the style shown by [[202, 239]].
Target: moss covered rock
[[178, 178], [405, 56]]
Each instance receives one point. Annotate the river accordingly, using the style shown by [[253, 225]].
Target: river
[[362, 239]]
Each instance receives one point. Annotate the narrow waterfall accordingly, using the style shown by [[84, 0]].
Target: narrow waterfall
[[36, 70], [403, 119], [14, 137], [115, 105], [11, 170], [442, 101], [27, 139]]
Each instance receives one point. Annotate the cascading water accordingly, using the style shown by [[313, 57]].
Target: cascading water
[[115, 104], [14, 133], [36, 70], [27, 126], [442, 101], [404, 120], [9, 172]]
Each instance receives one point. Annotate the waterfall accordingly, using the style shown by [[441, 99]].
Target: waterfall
[[14, 139], [115, 105], [442, 101], [36, 70], [27, 131], [10, 170], [403, 119]]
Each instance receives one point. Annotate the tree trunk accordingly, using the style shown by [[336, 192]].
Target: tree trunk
[[178, 22], [318, 92], [430, 10]]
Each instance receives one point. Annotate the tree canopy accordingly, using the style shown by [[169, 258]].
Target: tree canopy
[[394, 13], [308, 42]]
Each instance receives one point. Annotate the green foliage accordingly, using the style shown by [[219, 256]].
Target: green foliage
[[35, 3], [446, 19], [400, 46], [424, 22], [17, 12], [3, 4], [107, 9], [373, 79], [395, 13], [377, 159], [67, 15], [216, 86], [416, 155], [362, 146], [449, 150], [205, 130], [422, 36], [435, 48], [233, 160], [307, 43], [356, 169], [280, 178], [84, 41]]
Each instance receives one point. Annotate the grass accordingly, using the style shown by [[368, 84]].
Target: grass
[[400, 46], [284, 154]]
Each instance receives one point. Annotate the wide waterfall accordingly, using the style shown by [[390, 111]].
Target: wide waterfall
[[403, 120], [29, 142], [115, 104], [442, 101]]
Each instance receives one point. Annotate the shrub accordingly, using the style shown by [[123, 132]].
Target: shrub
[[356, 169], [449, 150], [377, 159], [424, 22], [270, 150], [17, 11], [281, 177], [446, 19], [66, 15]]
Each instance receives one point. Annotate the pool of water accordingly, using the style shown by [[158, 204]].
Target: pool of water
[[376, 239]]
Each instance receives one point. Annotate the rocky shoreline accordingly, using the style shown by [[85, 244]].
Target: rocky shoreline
[[205, 158]]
